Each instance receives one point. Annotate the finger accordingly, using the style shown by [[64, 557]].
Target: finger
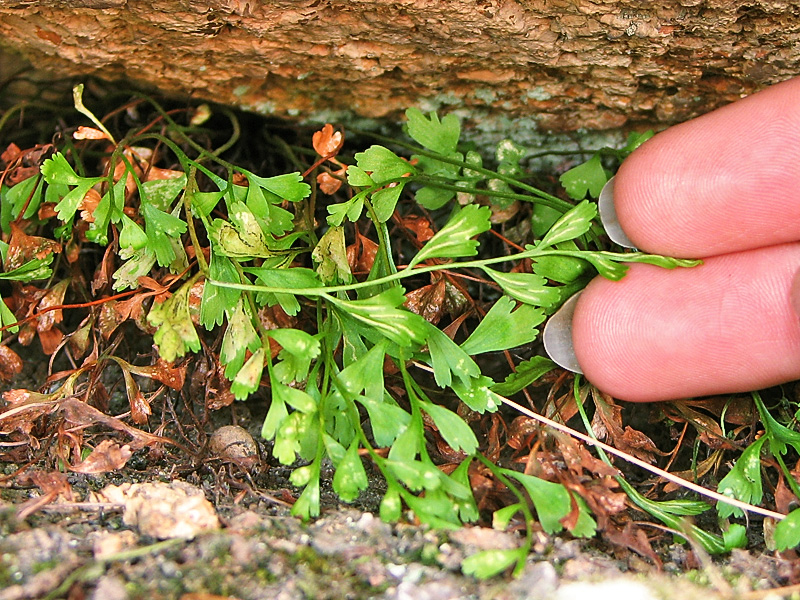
[[723, 182], [726, 326]]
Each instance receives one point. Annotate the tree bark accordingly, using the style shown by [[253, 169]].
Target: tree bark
[[565, 64]]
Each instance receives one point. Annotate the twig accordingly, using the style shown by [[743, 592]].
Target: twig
[[640, 463]]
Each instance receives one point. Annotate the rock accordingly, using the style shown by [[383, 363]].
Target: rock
[[164, 510], [561, 65]]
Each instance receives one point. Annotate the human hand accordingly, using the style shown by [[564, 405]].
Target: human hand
[[724, 187]]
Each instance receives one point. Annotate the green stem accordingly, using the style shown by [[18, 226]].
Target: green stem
[[523, 502], [557, 202]]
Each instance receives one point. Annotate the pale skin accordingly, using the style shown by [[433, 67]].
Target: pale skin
[[724, 187]]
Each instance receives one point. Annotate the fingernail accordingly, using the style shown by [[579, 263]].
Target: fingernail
[[608, 216], [557, 336]]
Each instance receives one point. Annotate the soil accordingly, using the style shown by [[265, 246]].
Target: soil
[[101, 545]]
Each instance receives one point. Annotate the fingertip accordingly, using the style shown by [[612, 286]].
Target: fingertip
[[723, 182], [727, 326]]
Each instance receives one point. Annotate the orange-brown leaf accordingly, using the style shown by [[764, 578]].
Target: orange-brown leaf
[[419, 226], [89, 133], [23, 248], [327, 142], [428, 301], [10, 364], [328, 184], [107, 456], [53, 297], [50, 340], [164, 372]]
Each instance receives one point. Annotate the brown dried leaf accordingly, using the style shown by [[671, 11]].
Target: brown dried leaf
[[428, 301], [88, 205], [632, 536], [156, 173], [50, 340], [328, 184], [419, 226], [25, 408], [109, 318], [89, 133], [697, 474], [79, 339], [218, 390], [23, 248], [104, 270], [52, 484], [607, 424], [140, 407], [162, 371], [11, 152], [53, 297], [80, 413], [361, 254], [327, 142], [107, 456], [10, 364]]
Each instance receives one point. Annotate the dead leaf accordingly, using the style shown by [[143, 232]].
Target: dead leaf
[[11, 153], [10, 363], [89, 133], [23, 248], [419, 226], [328, 184], [52, 483], [53, 297], [140, 407], [168, 374], [80, 338], [107, 456], [633, 537], [80, 413], [607, 425], [327, 142], [428, 301], [50, 340], [361, 254], [157, 173], [88, 205]]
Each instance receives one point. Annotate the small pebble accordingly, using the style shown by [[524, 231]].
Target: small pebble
[[234, 443]]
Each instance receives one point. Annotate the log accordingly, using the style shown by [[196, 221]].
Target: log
[[556, 65]]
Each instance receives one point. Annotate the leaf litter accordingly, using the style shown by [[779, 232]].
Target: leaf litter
[[374, 327]]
